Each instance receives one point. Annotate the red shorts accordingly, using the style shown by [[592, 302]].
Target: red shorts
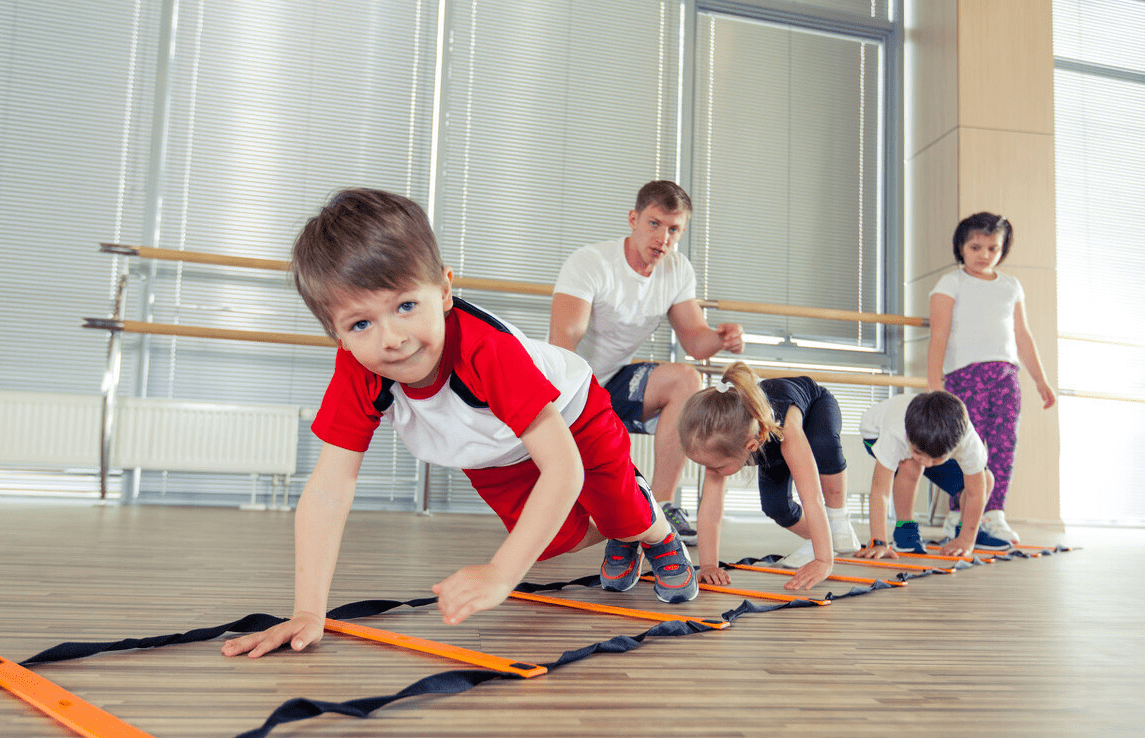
[[609, 496]]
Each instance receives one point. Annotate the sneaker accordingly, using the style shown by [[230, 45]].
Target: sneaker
[[994, 523], [951, 524], [988, 542], [621, 568], [680, 523], [843, 538], [907, 539], [798, 557], [672, 568]]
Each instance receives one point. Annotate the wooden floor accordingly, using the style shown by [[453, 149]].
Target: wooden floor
[[1043, 647]]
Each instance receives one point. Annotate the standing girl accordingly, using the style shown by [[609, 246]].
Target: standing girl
[[978, 336], [789, 428]]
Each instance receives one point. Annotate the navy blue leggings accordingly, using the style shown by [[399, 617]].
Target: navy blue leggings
[[821, 424]]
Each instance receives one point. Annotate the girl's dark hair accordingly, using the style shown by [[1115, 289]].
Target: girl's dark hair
[[987, 223]]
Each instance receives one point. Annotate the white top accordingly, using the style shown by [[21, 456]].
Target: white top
[[626, 307], [982, 323], [886, 422], [493, 383]]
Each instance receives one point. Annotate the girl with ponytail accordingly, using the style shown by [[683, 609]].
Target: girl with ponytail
[[789, 428]]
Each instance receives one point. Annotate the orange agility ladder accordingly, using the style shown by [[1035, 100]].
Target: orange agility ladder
[[621, 611], [941, 557], [753, 593], [890, 564], [832, 577], [437, 649], [61, 705]]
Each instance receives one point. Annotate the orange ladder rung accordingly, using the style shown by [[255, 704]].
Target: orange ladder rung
[[438, 649], [752, 593], [832, 577], [622, 611], [62, 706]]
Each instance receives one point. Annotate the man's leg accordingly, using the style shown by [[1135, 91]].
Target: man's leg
[[669, 387]]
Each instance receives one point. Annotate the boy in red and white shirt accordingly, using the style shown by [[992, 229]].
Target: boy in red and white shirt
[[526, 421]]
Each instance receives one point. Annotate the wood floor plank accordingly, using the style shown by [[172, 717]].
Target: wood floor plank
[[1052, 646]]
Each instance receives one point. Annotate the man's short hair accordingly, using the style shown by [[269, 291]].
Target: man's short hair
[[936, 423], [668, 195], [363, 240]]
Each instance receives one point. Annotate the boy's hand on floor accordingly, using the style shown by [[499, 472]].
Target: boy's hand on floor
[[960, 546], [470, 590], [714, 575], [300, 631], [810, 574], [877, 552]]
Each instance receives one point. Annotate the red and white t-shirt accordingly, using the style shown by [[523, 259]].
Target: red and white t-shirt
[[493, 383]]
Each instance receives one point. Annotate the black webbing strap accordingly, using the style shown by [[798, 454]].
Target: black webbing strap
[[78, 650], [453, 682], [448, 682]]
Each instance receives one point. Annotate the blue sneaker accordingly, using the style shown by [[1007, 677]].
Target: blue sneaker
[[621, 568], [672, 568], [907, 539], [988, 542]]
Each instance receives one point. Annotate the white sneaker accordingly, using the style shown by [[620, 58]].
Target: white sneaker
[[798, 557], [843, 538], [994, 523], [950, 525]]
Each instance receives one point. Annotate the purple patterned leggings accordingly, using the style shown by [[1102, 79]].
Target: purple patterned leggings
[[993, 398]]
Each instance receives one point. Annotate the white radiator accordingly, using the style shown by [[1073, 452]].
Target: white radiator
[[41, 429], [58, 430]]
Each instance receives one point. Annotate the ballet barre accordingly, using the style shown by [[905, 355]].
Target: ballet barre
[[525, 288]]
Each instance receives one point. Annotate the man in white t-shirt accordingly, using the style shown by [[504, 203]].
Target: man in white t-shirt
[[611, 296]]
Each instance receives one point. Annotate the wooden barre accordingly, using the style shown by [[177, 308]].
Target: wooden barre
[[232, 334], [199, 257], [794, 311], [874, 380], [527, 288], [306, 339]]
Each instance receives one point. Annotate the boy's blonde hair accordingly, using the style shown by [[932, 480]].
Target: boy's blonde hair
[[363, 240], [722, 422]]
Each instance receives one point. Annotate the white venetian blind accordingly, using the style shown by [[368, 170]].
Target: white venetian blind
[[788, 174], [554, 115], [1099, 104], [75, 95]]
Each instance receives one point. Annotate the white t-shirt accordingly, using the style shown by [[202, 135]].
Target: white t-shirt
[[886, 421], [982, 323], [626, 307]]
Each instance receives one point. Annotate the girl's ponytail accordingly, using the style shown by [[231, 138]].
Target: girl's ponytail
[[721, 418]]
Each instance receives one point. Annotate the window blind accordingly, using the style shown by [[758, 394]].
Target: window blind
[[1099, 104]]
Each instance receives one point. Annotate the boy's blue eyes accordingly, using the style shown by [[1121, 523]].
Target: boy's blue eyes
[[403, 308]]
